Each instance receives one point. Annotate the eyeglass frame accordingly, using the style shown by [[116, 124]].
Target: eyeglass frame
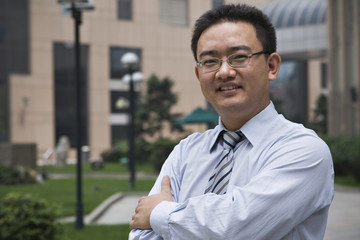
[[220, 60]]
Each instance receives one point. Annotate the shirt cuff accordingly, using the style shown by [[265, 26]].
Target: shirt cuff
[[159, 218]]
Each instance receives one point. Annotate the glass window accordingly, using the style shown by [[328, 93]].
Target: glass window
[[119, 98], [125, 9], [174, 12], [65, 93], [323, 75], [4, 111], [217, 3], [117, 70]]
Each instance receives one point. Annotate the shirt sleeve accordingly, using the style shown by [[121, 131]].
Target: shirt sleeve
[[170, 168], [295, 183]]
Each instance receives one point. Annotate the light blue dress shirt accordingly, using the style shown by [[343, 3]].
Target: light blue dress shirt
[[281, 186]]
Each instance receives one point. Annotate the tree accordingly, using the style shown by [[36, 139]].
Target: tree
[[155, 108]]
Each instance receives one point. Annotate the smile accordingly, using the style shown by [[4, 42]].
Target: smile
[[228, 88]]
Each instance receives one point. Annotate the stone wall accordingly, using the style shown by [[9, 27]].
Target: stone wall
[[23, 154]]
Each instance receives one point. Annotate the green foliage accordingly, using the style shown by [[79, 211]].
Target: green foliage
[[113, 155], [155, 108], [63, 191], [278, 103], [11, 175], [159, 151], [25, 217], [96, 232], [345, 151], [141, 151], [319, 124]]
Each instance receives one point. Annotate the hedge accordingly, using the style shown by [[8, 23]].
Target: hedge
[[345, 151], [25, 217]]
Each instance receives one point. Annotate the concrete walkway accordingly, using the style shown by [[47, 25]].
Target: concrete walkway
[[344, 215], [343, 222]]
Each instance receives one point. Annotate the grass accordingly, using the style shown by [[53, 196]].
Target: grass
[[96, 232], [348, 181], [63, 191], [108, 168]]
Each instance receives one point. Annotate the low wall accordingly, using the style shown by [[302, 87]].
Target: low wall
[[23, 154]]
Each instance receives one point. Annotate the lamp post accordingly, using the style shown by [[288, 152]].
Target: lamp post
[[131, 62], [76, 7]]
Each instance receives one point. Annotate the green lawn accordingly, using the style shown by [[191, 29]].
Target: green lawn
[[348, 181], [96, 232], [108, 168], [63, 191]]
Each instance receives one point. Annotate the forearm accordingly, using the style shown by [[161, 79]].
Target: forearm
[[269, 207], [138, 234]]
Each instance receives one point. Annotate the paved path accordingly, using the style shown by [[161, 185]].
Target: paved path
[[344, 216], [343, 223]]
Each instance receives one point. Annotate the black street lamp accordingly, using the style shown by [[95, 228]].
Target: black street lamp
[[131, 61], [76, 7]]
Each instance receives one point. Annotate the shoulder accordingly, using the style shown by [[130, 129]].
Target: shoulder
[[204, 139], [300, 143]]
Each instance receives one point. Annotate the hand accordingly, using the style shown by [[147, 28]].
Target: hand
[[141, 218]]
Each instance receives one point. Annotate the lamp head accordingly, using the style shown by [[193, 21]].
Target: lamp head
[[130, 59]]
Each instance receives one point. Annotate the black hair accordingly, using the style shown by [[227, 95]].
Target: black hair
[[265, 31]]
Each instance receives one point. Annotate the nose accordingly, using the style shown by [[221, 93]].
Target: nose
[[225, 71]]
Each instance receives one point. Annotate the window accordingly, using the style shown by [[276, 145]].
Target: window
[[4, 111], [217, 3], [119, 93], [65, 93], [117, 70], [125, 9], [323, 75], [174, 12]]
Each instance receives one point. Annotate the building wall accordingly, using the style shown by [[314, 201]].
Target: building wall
[[165, 52], [343, 71]]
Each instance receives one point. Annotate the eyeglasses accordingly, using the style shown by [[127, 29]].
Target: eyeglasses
[[236, 60]]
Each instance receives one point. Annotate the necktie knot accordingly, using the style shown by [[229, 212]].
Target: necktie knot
[[230, 139]]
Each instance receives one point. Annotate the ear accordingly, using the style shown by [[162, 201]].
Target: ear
[[197, 72], [274, 61]]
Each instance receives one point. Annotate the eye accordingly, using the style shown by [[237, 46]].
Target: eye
[[238, 58], [209, 62]]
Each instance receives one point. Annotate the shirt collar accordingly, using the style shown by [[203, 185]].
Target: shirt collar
[[215, 140], [256, 127], [253, 130]]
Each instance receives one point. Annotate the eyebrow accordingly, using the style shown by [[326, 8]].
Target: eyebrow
[[229, 50]]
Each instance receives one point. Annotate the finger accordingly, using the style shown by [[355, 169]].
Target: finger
[[141, 199], [165, 185], [132, 225]]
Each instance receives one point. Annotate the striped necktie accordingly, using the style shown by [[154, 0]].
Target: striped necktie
[[220, 178]]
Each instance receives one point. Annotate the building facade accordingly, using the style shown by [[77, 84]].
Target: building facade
[[344, 67], [37, 96]]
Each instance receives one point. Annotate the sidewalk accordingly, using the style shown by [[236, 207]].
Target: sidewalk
[[343, 222], [344, 215]]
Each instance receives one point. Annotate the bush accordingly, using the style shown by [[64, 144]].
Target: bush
[[113, 155], [11, 175], [159, 151], [25, 217], [345, 151]]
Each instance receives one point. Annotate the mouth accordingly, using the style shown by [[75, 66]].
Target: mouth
[[228, 88]]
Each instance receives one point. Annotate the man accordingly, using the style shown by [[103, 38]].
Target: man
[[276, 183]]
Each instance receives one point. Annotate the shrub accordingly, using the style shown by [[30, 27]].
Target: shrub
[[345, 151], [113, 155], [11, 175], [25, 217], [159, 151]]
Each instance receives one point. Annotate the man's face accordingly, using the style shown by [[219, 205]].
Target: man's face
[[234, 92]]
